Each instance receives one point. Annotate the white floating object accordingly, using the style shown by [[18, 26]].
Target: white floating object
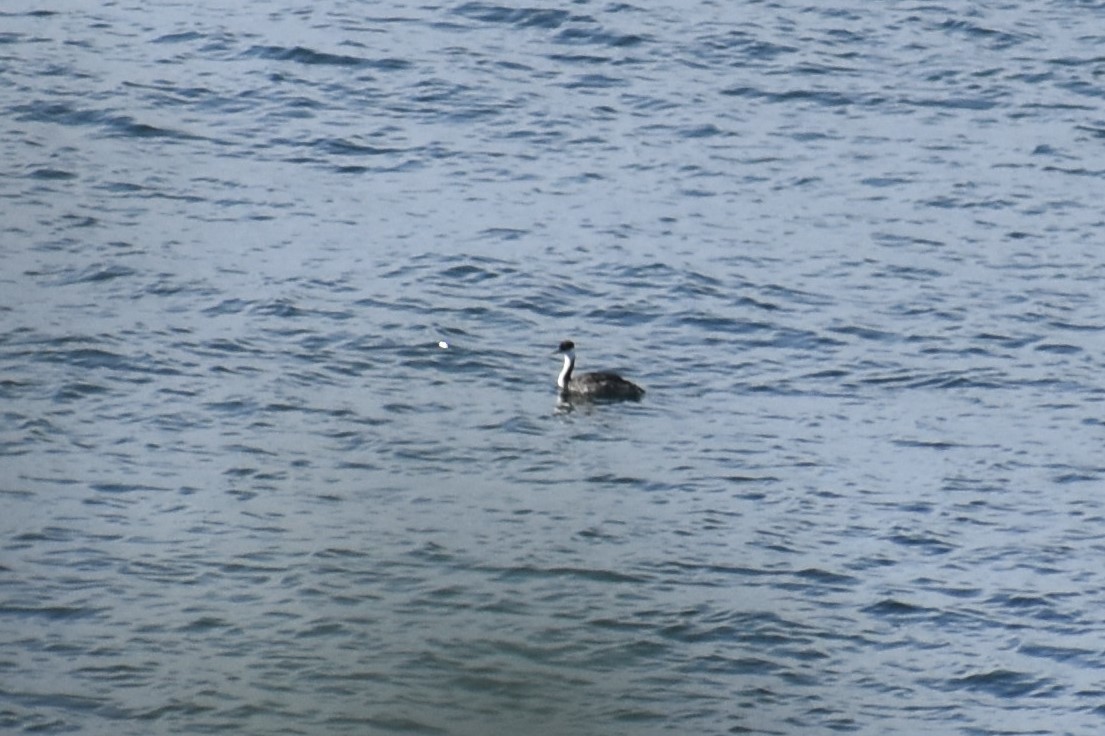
[[443, 345]]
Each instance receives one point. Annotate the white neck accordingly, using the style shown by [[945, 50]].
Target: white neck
[[569, 363]]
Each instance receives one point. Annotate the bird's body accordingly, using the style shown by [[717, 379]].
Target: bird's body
[[601, 385]]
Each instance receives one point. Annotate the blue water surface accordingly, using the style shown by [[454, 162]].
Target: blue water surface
[[281, 451]]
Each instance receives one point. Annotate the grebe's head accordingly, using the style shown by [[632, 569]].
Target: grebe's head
[[566, 347]]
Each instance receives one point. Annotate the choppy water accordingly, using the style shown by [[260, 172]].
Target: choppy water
[[853, 254]]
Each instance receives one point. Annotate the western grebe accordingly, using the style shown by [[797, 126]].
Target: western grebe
[[592, 385]]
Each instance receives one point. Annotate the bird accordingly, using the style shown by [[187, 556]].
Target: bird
[[603, 385]]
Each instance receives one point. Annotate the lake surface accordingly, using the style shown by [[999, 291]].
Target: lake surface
[[281, 451]]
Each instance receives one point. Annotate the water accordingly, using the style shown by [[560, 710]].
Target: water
[[851, 253]]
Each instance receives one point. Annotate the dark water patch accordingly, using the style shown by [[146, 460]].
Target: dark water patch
[[882, 182], [967, 592], [582, 59], [826, 577], [910, 273], [702, 131], [739, 666], [690, 284], [121, 187], [1076, 171], [1095, 131], [786, 638], [617, 480], [52, 613], [10, 388], [893, 608], [595, 81], [99, 273], [953, 103], [1058, 348], [504, 233], [546, 18], [1088, 658], [1080, 476], [926, 543], [345, 147], [51, 175], [902, 240], [283, 308], [1007, 341], [1076, 327], [113, 124], [980, 378], [219, 346], [699, 633], [119, 675], [794, 339], [974, 486], [818, 97], [789, 295], [229, 306], [205, 624], [540, 306], [623, 315], [994, 38], [1039, 604], [402, 725], [182, 37], [988, 379], [599, 37], [79, 390], [471, 273], [234, 407], [278, 407], [167, 285], [161, 573], [749, 46], [688, 573], [867, 333], [717, 323], [1000, 683], [77, 707], [116, 488], [575, 573], [302, 55], [834, 374], [48, 534], [86, 358]]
